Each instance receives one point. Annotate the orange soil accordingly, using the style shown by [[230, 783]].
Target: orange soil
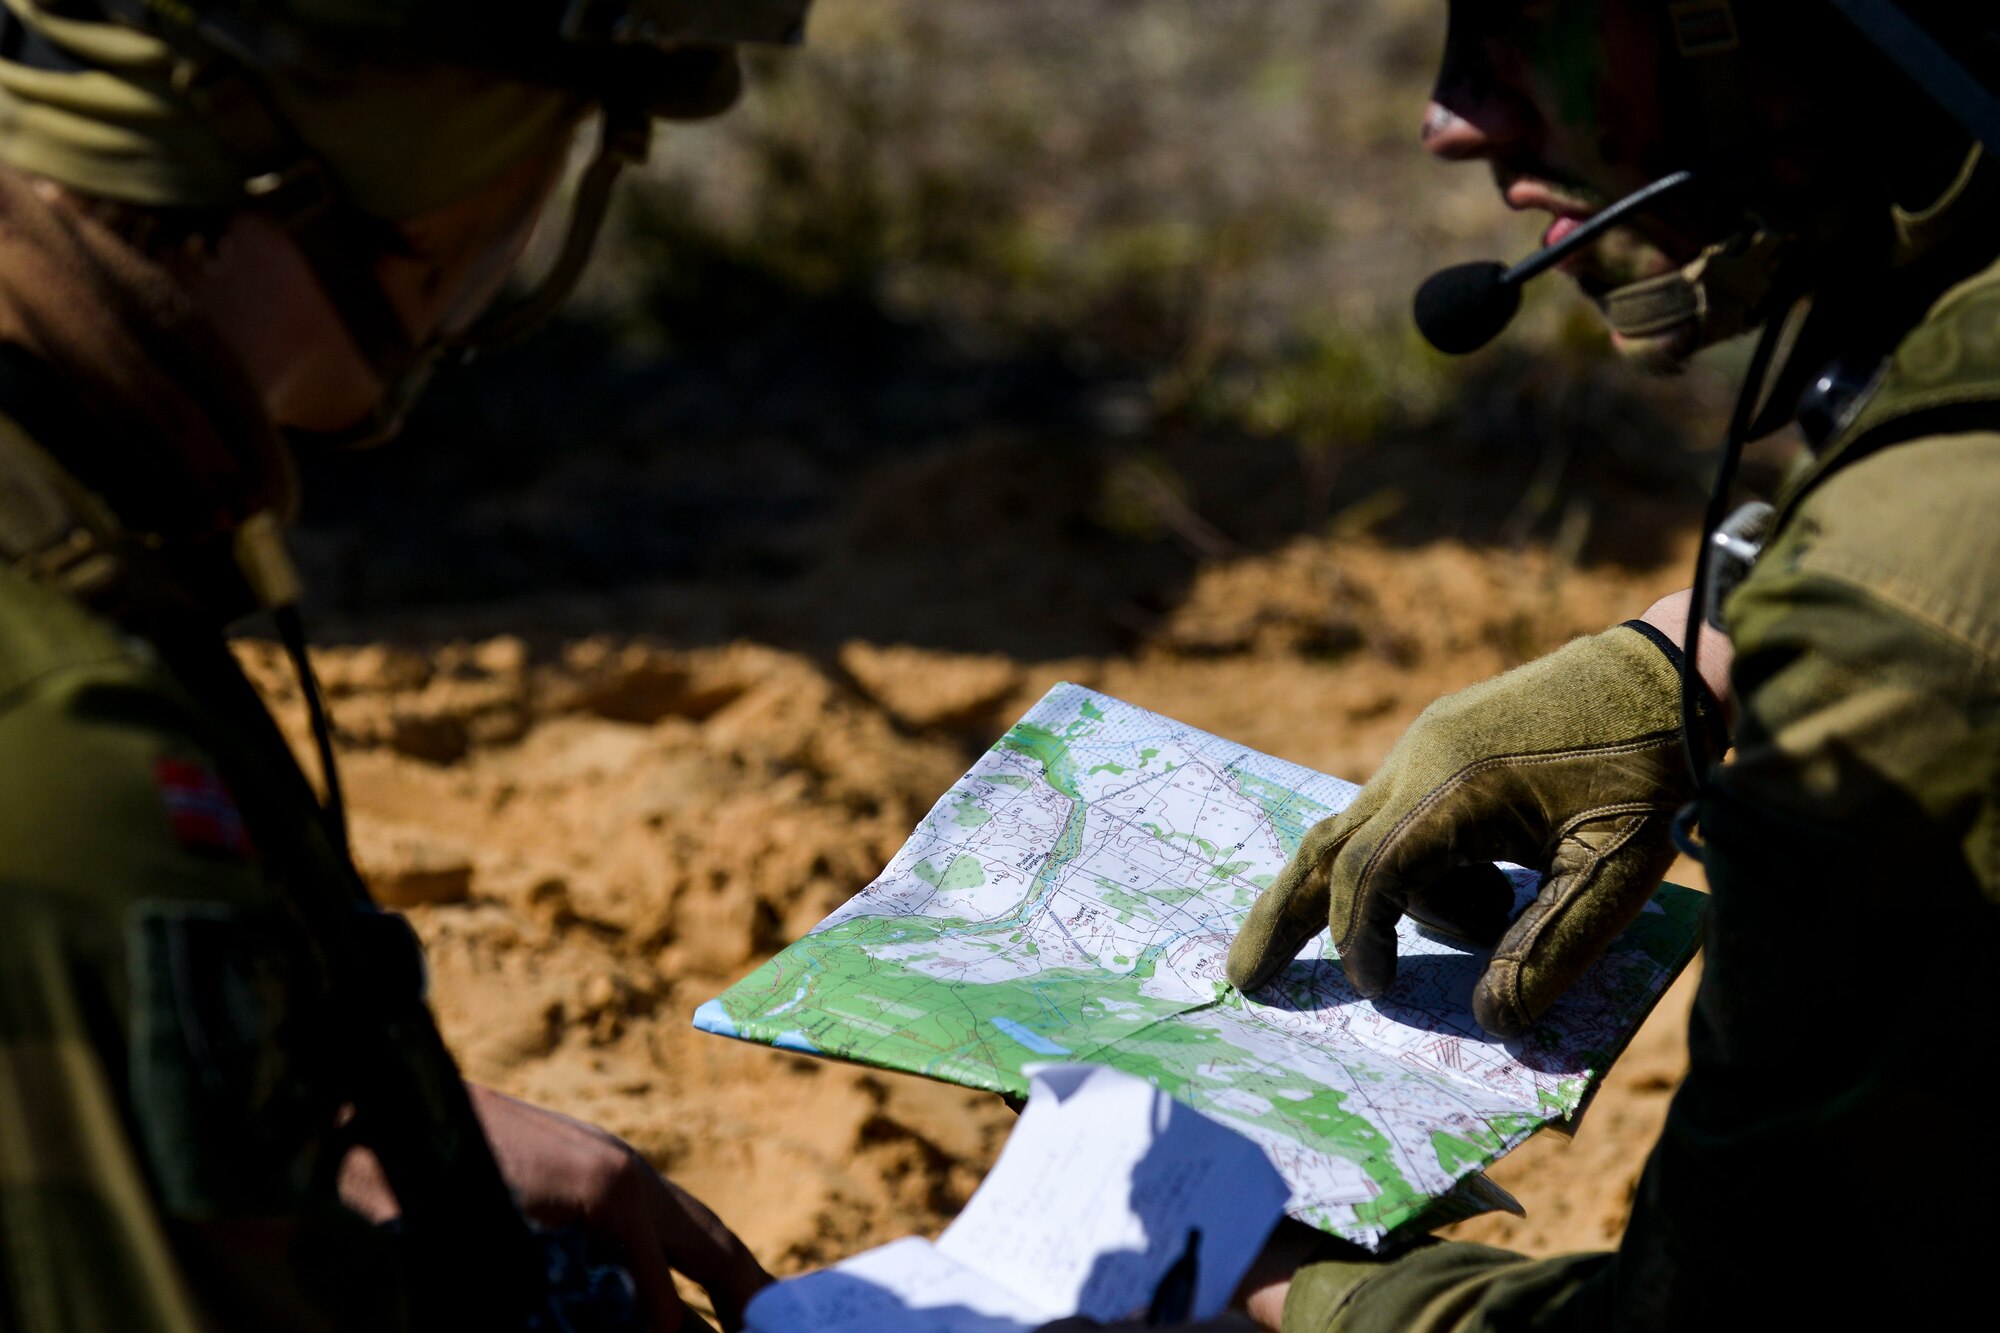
[[595, 837]]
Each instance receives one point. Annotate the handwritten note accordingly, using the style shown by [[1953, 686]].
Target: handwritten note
[[1089, 1205]]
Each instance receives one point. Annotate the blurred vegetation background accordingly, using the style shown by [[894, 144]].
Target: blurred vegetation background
[[1120, 286]]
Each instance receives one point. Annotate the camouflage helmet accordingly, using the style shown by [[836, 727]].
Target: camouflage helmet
[[670, 58], [339, 118], [1939, 51]]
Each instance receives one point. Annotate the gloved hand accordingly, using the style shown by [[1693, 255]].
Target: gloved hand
[[1571, 765]]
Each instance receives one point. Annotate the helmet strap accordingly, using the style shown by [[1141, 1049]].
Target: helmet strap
[[1711, 52], [623, 140], [1928, 65], [287, 182], [1725, 291]]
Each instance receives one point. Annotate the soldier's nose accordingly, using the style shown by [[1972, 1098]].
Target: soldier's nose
[[1451, 136]]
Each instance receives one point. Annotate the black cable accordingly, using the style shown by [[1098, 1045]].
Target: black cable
[[1742, 429], [474, 1256], [292, 633], [1594, 227]]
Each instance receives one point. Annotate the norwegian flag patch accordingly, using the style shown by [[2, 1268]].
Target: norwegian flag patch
[[201, 810]]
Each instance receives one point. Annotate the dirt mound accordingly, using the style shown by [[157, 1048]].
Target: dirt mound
[[596, 836]]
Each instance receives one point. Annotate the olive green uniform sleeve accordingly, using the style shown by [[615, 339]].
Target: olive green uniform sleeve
[[167, 1115], [84, 1246], [1827, 1160]]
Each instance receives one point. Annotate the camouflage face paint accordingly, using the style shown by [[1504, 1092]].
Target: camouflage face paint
[[1562, 98], [1571, 55], [1588, 76]]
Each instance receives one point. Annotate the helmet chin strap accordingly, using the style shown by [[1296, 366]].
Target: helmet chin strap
[[1931, 67], [624, 139], [405, 367], [286, 181], [1727, 290]]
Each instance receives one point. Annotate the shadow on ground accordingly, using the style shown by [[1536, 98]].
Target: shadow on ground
[[986, 329], [844, 476]]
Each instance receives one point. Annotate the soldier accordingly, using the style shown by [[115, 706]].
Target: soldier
[[1823, 1164], [227, 227]]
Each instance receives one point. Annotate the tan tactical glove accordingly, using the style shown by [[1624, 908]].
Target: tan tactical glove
[[1571, 765]]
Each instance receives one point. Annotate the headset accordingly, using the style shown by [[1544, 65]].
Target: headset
[[1463, 308]]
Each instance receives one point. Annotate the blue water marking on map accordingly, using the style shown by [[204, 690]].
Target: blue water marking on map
[[795, 1040], [792, 1003], [712, 1017], [1057, 952], [1029, 1038]]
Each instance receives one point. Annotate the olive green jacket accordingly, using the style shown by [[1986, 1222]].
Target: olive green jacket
[[171, 1095], [168, 1103], [1827, 1159]]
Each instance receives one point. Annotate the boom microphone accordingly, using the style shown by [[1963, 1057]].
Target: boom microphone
[[1464, 307]]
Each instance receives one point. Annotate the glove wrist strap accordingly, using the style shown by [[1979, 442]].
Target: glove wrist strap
[[1708, 708]]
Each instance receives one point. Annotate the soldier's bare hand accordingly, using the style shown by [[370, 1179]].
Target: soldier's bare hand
[[566, 1172], [1228, 1323]]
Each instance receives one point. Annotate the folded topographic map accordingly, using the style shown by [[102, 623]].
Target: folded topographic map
[[1072, 898]]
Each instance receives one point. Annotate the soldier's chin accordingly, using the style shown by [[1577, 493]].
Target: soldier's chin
[[1658, 353]]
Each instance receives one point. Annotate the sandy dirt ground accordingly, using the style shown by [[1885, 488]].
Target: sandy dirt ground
[[596, 834]]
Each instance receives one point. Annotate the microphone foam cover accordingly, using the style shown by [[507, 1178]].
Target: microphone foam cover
[[1464, 307]]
